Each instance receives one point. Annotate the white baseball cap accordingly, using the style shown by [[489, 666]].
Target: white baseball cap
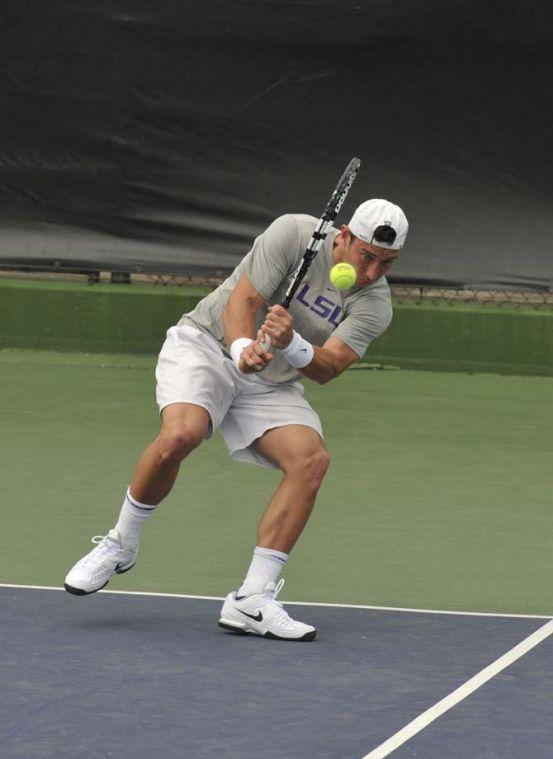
[[381, 223]]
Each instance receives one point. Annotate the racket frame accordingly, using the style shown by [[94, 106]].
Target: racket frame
[[320, 232]]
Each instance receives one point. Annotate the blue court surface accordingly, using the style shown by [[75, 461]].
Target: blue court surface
[[137, 676]]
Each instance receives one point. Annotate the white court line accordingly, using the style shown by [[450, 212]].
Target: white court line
[[299, 603], [424, 719]]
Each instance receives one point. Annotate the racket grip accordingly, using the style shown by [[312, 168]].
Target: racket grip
[[267, 344]]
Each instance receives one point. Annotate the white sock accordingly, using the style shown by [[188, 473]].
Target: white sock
[[132, 519], [265, 567]]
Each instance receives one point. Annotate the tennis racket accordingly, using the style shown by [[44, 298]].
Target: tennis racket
[[320, 232]]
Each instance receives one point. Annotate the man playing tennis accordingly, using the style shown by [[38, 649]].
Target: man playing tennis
[[214, 372]]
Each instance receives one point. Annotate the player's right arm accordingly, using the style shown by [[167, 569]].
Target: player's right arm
[[274, 254], [239, 321]]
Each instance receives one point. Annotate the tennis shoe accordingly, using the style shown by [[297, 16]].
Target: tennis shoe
[[262, 614], [94, 570]]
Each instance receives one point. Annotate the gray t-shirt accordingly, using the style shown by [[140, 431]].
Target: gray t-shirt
[[356, 316]]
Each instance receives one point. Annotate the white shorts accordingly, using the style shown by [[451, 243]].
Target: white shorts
[[192, 368]]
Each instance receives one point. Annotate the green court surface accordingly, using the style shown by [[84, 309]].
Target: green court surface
[[438, 496]]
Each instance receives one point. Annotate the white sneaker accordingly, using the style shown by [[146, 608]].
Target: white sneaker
[[94, 570], [262, 614]]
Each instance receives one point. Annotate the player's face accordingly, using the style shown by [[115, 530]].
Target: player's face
[[369, 261]]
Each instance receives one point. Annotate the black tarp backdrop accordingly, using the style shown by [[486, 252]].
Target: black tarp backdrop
[[162, 136]]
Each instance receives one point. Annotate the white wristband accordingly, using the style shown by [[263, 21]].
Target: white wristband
[[299, 353], [237, 346]]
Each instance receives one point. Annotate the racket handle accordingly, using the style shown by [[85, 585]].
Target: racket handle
[[266, 344]]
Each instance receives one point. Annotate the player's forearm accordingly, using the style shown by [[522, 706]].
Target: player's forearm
[[239, 319], [323, 367]]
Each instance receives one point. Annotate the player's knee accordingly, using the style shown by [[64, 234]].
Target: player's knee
[[175, 445], [312, 467], [321, 464]]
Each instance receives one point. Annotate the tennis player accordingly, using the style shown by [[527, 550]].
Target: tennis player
[[214, 372]]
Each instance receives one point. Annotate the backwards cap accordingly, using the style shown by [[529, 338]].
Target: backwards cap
[[380, 222]]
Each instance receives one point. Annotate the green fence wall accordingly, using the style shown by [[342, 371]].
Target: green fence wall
[[110, 318]]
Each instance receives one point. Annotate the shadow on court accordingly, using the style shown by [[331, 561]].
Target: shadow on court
[[125, 676]]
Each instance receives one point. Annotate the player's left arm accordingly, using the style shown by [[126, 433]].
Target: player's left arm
[[329, 360]]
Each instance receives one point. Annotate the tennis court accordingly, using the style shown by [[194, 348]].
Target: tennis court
[[307, 167], [436, 509]]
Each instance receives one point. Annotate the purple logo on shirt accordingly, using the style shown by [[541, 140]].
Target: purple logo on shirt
[[321, 305]]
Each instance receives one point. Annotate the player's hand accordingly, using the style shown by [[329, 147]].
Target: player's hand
[[253, 358], [279, 326]]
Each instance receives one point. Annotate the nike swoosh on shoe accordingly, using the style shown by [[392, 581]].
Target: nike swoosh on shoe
[[258, 617]]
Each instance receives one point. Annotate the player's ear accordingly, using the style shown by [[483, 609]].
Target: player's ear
[[346, 234]]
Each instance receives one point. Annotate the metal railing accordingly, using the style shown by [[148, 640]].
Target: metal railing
[[518, 299], [535, 299], [405, 293]]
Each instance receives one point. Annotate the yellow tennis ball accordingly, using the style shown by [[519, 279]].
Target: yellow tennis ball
[[343, 276]]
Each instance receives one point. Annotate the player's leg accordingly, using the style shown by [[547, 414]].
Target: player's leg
[[300, 453], [183, 427], [194, 390]]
